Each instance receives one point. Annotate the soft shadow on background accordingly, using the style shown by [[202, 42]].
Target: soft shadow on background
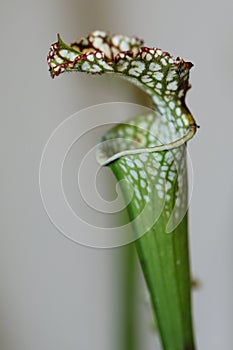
[[56, 294]]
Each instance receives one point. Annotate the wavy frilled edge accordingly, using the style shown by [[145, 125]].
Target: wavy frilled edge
[[161, 75]]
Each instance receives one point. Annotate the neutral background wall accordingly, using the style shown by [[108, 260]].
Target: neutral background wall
[[56, 294]]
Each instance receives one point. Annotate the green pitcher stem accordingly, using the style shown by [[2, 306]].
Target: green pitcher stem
[[165, 263], [168, 280], [129, 301]]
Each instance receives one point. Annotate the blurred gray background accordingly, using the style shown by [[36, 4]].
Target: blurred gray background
[[56, 294]]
